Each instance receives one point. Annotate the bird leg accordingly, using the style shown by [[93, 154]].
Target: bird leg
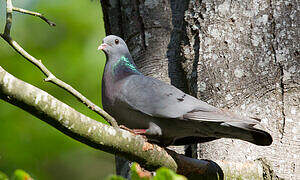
[[139, 131], [135, 131]]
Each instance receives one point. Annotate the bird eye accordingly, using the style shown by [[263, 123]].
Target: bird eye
[[117, 41]]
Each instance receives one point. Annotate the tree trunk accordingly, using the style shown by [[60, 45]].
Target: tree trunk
[[151, 38], [247, 59], [235, 54]]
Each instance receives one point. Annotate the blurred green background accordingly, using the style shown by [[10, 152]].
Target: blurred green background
[[69, 50]]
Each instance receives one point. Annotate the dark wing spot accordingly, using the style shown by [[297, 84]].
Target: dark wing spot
[[181, 98], [257, 119], [169, 94]]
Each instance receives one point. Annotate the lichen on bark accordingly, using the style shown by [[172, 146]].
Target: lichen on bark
[[248, 62], [241, 55]]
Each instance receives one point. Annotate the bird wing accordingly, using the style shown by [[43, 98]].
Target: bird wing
[[159, 99]]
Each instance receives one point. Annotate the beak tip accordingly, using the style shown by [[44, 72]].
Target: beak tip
[[101, 47]]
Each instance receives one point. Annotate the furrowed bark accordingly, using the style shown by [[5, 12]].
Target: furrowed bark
[[151, 30], [243, 55]]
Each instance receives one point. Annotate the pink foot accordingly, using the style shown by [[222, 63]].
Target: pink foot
[[140, 132]]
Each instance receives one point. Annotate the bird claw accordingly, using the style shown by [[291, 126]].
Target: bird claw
[[140, 132], [126, 128]]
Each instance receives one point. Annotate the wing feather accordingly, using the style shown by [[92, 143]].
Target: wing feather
[[158, 99]]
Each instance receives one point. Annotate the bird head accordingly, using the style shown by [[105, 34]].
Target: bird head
[[113, 45]]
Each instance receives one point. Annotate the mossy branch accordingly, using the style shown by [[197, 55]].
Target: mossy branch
[[82, 128], [95, 134], [38, 63]]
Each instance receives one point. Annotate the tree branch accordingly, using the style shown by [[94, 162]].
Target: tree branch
[[9, 10], [80, 127], [34, 14], [95, 134], [38, 63]]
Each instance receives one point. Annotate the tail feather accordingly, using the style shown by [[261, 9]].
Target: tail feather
[[244, 132], [253, 135], [261, 138], [226, 124]]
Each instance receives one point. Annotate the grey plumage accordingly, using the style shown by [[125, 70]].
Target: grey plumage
[[169, 116]]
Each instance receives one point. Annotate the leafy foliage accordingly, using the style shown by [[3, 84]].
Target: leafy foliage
[[19, 174], [161, 174], [167, 174], [115, 177], [3, 176]]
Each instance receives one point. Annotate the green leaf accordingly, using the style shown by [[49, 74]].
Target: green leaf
[[115, 177], [3, 176], [134, 173], [167, 174], [20, 174], [161, 174]]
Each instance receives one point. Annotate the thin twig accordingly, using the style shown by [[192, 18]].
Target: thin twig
[[9, 11], [80, 127], [34, 14], [38, 63]]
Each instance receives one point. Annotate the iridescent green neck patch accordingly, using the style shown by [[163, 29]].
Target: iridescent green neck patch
[[124, 63]]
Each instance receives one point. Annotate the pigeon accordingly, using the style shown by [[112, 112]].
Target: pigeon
[[162, 113]]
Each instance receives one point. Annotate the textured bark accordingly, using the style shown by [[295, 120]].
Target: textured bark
[[151, 30], [244, 55], [241, 55]]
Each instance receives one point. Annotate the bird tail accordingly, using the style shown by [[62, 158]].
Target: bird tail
[[260, 137], [250, 134], [223, 123]]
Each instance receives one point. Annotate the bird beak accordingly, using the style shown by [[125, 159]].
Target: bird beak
[[102, 46]]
